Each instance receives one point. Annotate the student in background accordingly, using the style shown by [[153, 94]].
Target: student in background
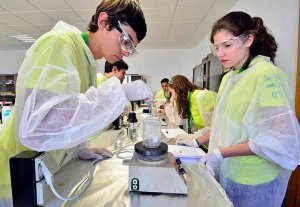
[[117, 69], [163, 94], [192, 103]]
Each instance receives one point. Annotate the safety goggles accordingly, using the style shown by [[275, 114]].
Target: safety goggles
[[126, 41], [228, 45]]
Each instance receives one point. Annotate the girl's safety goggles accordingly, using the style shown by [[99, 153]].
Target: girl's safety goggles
[[228, 45]]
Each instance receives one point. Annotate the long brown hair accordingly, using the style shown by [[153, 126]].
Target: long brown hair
[[239, 23], [182, 86]]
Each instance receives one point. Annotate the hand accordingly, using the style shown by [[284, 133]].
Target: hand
[[93, 153], [212, 161], [162, 107], [203, 131], [187, 140], [161, 111], [159, 102]]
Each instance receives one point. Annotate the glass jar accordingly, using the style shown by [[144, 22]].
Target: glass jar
[[151, 132]]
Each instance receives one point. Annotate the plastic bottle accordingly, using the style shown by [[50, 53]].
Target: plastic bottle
[[5, 113], [132, 125]]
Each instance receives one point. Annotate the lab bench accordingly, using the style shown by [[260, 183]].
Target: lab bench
[[110, 183]]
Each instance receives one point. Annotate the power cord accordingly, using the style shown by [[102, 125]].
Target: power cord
[[123, 157], [49, 180]]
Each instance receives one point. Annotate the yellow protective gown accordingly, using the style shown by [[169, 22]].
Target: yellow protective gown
[[160, 96], [256, 106], [57, 106], [101, 78], [202, 104]]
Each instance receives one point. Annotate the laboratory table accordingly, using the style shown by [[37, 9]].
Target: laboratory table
[[110, 183]]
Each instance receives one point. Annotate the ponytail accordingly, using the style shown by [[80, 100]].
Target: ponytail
[[264, 43], [239, 23]]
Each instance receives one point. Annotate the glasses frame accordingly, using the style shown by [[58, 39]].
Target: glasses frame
[[215, 50], [125, 37]]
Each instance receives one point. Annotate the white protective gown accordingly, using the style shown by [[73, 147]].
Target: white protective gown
[[256, 106], [57, 105]]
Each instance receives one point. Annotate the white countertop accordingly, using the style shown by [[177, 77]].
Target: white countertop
[[111, 183]]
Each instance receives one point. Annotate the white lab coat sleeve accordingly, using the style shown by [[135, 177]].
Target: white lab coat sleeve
[[51, 121], [138, 90], [270, 122], [278, 145]]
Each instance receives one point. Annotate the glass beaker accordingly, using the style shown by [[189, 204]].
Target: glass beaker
[[154, 111], [118, 142], [151, 132], [141, 126]]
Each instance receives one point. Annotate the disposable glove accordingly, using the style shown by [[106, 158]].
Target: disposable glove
[[93, 153], [187, 140], [138, 90], [202, 132], [159, 102], [212, 161]]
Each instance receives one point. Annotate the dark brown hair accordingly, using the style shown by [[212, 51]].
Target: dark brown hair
[[119, 64], [182, 86], [128, 12], [239, 23], [164, 80]]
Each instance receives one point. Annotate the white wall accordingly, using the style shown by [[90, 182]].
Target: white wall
[[154, 64], [10, 61], [281, 18], [159, 64]]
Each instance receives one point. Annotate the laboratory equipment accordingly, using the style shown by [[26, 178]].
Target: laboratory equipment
[[143, 116], [154, 111], [132, 125], [36, 176], [151, 132], [118, 143], [24, 178], [5, 113], [133, 77], [155, 170]]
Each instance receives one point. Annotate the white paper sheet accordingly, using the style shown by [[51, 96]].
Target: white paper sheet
[[185, 151], [172, 133]]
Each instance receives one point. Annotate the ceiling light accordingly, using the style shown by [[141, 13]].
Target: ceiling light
[[24, 38]]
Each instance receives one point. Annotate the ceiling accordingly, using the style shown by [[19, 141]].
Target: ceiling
[[172, 24]]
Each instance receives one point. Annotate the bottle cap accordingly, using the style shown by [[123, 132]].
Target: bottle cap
[[132, 117]]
